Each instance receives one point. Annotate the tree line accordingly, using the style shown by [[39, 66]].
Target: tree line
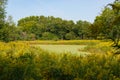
[[51, 28], [105, 26]]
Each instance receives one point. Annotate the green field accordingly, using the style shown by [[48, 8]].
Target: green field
[[73, 49], [76, 47]]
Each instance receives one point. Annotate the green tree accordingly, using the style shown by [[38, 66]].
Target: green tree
[[102, 24], [38, 25], [115, 32], [2, 12], [107, 23], [33, 25], [70, 36], [9, 31], [49, 36], [82, 29]]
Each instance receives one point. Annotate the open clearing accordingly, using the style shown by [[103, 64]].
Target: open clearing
[[73, 49]]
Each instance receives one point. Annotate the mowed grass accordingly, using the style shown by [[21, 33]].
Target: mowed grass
[[73, 49]]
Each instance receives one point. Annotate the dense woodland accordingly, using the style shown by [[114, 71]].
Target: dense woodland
[[105, 26]]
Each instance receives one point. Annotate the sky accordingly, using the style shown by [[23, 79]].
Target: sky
[[66, 9]]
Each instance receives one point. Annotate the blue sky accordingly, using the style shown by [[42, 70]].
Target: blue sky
[[65, 9]]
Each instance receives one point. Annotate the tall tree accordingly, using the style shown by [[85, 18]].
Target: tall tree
[[82, 29], [102, 23], [2, 12], [2, 18], [115, 32]]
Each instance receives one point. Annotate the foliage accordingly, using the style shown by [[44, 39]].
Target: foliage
[[62, 29], [9, 32], [107, 23], [19, 61], [116, 25], [70, 36], [2, 12], [49, 36], [83, 29]]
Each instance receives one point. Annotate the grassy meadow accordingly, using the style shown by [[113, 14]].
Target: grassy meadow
[[72, 49], [39, 60]]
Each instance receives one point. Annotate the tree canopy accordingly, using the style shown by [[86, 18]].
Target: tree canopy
[[62, 29], [108, 22]]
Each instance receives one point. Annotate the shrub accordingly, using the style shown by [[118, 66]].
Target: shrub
[[20, 61]]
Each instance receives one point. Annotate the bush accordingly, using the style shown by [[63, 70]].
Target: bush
[[20, 61]]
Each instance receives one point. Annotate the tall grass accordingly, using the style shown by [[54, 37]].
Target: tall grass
[[100, 48], [65, 42], [20, 61]]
